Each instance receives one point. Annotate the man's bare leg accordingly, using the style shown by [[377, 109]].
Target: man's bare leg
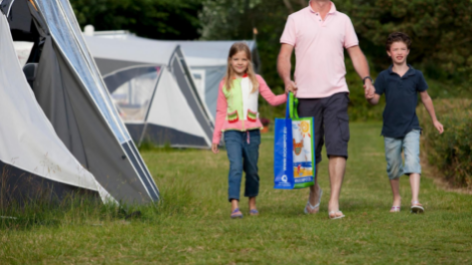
[[314, 193], [337, 168]]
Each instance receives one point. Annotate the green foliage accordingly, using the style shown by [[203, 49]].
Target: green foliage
[[159, 19], [440, 31], [451, 152]]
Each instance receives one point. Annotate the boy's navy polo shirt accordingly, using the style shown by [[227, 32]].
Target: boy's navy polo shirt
[[401, 94]]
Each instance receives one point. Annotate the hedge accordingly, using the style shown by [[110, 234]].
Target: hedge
[[451, 152]]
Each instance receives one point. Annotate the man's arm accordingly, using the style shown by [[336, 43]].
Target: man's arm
[[428, 104], [284, 67], [362, 68]]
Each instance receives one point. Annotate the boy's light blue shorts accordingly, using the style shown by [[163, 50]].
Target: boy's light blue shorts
[[410, 145]]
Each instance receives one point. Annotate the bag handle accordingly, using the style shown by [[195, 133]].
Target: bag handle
[[291, 107]]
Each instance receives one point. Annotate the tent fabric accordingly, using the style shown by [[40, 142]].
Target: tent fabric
[[111, 155], [136, 51], [72, 94], [23, 50], [163, 113], [30, 146], [58, 16], [206, 59], [82, 129], [153, 89]]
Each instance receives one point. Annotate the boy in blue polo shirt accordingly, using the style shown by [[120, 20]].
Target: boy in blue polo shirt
[[401, 129]]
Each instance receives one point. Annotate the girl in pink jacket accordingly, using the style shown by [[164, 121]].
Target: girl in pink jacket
[[237, 117]]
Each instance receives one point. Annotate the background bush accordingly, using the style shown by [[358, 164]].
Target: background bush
[[451, 152]]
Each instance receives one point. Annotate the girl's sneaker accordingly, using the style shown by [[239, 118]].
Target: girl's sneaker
[[236, 214], [254, 212]]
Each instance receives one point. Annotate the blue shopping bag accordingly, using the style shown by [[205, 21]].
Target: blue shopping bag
[[294, 159]]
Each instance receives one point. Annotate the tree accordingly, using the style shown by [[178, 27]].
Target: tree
[[158, 19], [441, 31]]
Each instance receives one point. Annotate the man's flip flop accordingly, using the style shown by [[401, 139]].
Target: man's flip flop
[[254, 212], [416, 207], [308, 204], [235, 214], [332, 215]]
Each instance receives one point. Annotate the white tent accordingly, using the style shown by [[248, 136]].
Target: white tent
[[67, 89], [207, 61], [153, 90], [23, 50]]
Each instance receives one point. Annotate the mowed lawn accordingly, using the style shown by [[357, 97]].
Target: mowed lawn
[[192, 224]]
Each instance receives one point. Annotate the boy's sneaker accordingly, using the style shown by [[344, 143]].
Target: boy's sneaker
[[416, 207]]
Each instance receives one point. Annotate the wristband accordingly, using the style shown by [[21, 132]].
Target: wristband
[[367, 77]]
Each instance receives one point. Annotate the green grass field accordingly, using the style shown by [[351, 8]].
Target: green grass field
[[192, 224]]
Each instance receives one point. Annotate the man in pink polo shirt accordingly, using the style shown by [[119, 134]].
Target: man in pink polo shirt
[[319, 35]]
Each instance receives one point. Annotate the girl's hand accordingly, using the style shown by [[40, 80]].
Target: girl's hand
[[214, 148], [290, 86], [439, 127]]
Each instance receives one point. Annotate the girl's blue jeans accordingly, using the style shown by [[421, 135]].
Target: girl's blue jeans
[[243, 153]]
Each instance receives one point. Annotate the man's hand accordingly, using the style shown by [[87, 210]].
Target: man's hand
[[290, 86], [214, 148], [369, 90], [284, 66], [439, 126]]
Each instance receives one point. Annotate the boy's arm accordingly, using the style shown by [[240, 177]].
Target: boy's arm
[[428, 104], [374, 100]]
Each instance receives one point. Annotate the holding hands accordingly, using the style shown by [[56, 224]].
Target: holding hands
[[290, 86], [369, 90]]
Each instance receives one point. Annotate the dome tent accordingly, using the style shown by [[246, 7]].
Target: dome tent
[[68, 88], [154, 91], [207, 61]]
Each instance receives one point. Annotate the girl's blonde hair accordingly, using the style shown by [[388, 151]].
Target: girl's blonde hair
[[235, 48]]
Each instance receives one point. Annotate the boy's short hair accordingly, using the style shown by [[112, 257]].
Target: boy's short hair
[[396, 37]]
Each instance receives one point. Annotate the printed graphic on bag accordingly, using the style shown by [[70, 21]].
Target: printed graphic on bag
[[297, 147], [302, 165]]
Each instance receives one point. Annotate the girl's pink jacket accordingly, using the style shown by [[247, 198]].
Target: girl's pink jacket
[[222, 124]]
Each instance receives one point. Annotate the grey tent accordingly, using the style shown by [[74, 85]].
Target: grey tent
[[154, 91], [68, 87], [34, 162]]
